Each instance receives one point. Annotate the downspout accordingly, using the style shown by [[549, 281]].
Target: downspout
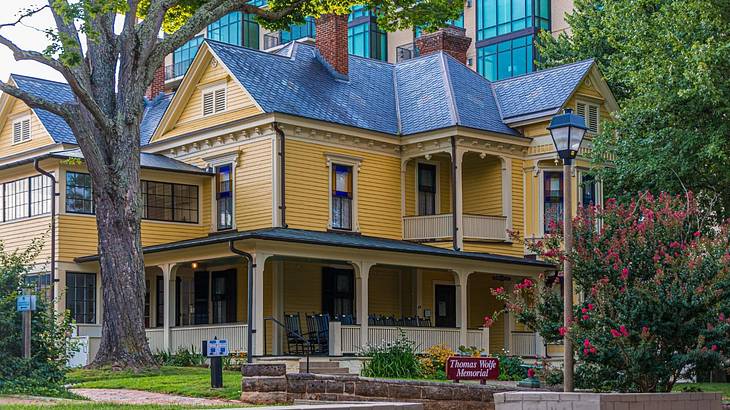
[[251, 265], [282, 173], [37, 166], [454, 222]]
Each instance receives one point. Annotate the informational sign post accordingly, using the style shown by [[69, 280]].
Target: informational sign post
[[216, 349], [472, 368], [25, 304]]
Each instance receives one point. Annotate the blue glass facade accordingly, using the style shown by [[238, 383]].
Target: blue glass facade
[[298, 31], [364, 37], [506, 30], [227, 29], [506, 59], [456, 23], [183, 56]]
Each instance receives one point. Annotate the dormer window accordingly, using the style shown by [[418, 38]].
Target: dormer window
[[214, 100], [21, 130], [591, 113]]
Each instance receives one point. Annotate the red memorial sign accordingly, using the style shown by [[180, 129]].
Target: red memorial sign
[[472, 368]]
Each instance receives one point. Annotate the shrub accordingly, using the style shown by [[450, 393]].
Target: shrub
[[656, 280], [433, 361], [471, 351], [50, 332], [183, 357], [510, 368], [397, 359]]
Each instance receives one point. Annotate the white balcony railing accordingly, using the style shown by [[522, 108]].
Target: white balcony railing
[[431, 227], [524, 344], [188, 337]]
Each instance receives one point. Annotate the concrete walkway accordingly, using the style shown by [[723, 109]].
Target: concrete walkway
[[123, 396]]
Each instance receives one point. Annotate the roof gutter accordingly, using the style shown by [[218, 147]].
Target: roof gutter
[[251, 264], [282, 173], [54, 194]]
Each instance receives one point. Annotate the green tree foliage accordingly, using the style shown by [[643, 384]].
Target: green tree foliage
[[654, 280], [50, 343], [667, 62]]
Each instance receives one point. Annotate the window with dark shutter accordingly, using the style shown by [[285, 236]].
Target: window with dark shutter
[[591, 114]]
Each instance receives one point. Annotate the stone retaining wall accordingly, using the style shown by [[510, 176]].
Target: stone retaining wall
[[433, 395], [607, 401]]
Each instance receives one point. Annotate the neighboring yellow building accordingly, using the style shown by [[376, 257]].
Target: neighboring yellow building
[[382, 195]]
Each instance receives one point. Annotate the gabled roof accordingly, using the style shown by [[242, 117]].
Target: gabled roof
[[544, 91], [427, 93], [301, 85], [335, 239], [52, 91], [153, 112]]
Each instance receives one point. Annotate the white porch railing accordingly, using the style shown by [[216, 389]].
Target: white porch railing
[[422, 337], [482, 227], [523, 344], [427, 227], [188, 337], [485, 227]]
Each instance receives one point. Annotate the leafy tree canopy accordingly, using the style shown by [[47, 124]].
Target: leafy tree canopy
[[667, 63], [392, 15]]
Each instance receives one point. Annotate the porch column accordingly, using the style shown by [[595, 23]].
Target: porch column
[[507, 190], [362, 274], [462, 305], [277, 308], [168, 314], [457, 189], [256, 318]]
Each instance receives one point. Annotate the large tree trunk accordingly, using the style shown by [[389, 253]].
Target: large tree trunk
[[117, 200]]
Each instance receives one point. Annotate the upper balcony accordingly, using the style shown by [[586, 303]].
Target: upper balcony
[[483, 198]]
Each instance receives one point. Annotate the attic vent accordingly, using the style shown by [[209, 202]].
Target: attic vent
[[591, 114], [21, 130], [214, 100]]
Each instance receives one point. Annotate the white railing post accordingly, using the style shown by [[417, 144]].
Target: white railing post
[[335, 339], [539, 345], [485, 340]]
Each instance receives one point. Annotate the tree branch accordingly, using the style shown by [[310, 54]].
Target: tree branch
[[81, 93], [23, 16], [62, 110]]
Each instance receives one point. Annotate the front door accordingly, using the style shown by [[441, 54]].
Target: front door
[[224, 296], [445, 305], [338, 291]]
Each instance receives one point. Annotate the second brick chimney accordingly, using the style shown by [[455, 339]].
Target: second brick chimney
[[158, 83], [451, 39], [331, 42]]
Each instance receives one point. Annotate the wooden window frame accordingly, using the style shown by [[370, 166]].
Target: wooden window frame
[[20, 120], [354, 163]]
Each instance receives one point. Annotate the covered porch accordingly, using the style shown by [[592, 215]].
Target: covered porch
[[367, 290]]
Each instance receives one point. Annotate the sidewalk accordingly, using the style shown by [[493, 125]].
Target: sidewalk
[[123, 396]]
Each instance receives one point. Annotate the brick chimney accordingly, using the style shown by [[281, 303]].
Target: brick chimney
[[331, 41], [451, 39], [158, 84]]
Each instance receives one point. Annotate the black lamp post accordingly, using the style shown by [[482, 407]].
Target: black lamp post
[[567, 131]]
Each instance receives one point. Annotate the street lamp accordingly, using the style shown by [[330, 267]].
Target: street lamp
[[567, 131]]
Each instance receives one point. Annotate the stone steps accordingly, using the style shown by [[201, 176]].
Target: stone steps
[[323, 367]]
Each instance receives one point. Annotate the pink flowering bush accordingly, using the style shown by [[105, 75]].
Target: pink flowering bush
[[653, 276]]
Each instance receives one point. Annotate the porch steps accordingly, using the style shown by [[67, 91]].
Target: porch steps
[[323, 367]]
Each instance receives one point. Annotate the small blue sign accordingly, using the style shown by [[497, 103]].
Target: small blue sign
[[25, 303], [217, 348]]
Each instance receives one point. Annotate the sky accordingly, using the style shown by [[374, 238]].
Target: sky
[[27, 36]]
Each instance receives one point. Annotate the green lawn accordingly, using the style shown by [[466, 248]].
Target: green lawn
[[183, 381], [723, 388]]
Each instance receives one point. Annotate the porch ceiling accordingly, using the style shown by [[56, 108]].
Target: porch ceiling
[[334, 239]]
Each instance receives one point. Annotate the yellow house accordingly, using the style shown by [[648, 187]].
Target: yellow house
[[371, 196]]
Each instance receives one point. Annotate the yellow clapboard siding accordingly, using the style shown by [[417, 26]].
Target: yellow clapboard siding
[[307, 189], [482, 181], [482, 303], [429, 278], [78, 235], [253, 181], [39, 137], [17, 235], [385, 293], [188, 117]]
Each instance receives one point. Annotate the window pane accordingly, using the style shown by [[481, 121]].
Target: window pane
[[498, 17], [227, 29], [183, 56], [81, 296]]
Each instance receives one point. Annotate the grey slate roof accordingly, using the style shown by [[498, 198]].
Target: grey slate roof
[[153, 112], [343, 240], [543, 90], [55, 92], [147, 160], [427, 93]]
